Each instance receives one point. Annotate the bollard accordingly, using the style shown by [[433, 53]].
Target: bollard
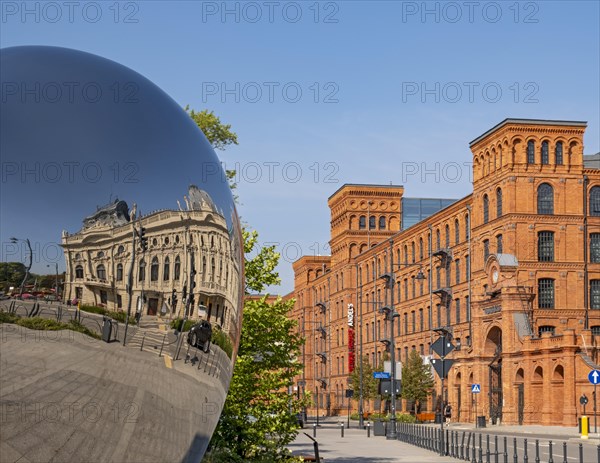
[[537, 451], [515, 456], [495, 449], [451, 444], [525, 457], [487, 448], [467, 450], [462, 447], [342, 428], [314, 430], [580, 453], [446, 443], [480, 449], [585, 427], [565, 452], [473, 460], [550, 459], [598, 450], [368, 429], [505, 451], [456, 444]]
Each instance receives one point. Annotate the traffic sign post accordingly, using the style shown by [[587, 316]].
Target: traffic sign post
[[475, 389], [594, 378], [442, 346]]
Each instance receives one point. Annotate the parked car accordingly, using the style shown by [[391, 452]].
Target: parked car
[[200, 335]]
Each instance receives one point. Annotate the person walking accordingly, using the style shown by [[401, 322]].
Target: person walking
[[448, 413]]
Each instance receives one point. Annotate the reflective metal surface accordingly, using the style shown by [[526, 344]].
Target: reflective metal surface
[[106, 178]]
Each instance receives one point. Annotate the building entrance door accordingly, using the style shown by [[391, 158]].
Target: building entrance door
[[520, 402], [496, 391], [152, 306]]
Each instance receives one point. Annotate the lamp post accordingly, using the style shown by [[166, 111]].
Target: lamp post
[[390, 315], [28, 268]]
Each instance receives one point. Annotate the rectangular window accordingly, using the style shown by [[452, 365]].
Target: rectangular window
[[405, 289], [439, 315], [421, 320], [546, 293], [486, 250], [103, 297], [449, 313], [546, 246], [457, 307], [499, 244], [595, 248], [399, 326], [457, 270], [405, 322], [420, 287], [414, 293], [448, 273], [595, 294], [414, 321], [119, 301], [468, 267], [468, 307], [438, 277]]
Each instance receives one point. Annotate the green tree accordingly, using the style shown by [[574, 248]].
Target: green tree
[[369, 384], [417, 380], [259, 416], [12, 274]]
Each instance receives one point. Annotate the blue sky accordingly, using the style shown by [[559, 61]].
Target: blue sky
[[374, 91]]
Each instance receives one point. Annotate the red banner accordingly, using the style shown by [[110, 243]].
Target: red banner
[[351, 350]]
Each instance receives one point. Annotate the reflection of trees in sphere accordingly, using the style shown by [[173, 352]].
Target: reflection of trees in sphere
[[90, 150]]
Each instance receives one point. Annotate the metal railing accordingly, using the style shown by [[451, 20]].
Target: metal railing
[[475, 448]]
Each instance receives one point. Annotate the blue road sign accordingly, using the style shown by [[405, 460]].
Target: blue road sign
[[594, 377], [476, 388], [381, 375]]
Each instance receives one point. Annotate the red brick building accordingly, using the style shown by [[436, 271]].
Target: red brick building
[[512, 271]]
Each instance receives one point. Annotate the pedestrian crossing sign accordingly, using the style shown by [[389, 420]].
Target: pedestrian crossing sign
[[476, 388]]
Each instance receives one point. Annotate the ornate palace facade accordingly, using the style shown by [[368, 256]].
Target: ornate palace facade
[[512, 271], [99, 259]]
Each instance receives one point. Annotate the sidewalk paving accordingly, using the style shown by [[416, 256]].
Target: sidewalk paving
[[356, 447]]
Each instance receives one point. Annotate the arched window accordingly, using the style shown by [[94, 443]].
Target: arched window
[[447, 235], [177, 269], [382, 223], [121, 249], [154, 269], [498, 202], [142, 271], [438, 239], [405, 254], [456, 232], [530, 152], [595, 201], [372, 222], [486, 209], [100, 254], [101, 272], [166, 269], [545, 199], [545, 155], [499, 246], [413, 252], [79, 271], [467, 227], [119, 272], [421, 249], [362, 222], [558, 153], [212, 270]]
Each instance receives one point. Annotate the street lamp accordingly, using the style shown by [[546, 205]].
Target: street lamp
[[28, 268], [390, 314]]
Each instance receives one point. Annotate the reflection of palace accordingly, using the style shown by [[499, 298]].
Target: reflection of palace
[[512, 271], [98, 261]]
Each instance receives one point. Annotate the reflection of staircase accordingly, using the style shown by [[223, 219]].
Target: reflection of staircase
[[150, 338]]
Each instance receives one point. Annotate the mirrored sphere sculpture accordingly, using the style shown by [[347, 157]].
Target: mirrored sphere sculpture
[[120, 225]]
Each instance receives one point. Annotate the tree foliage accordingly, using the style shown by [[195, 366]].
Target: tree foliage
[[417, 380], [218, 134], [260, 269], [259, 416], [369, 384]]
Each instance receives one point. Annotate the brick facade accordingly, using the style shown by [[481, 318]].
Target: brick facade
[[524, 318]]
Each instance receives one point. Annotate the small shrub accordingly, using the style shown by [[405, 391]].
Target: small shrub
[[222, 340], [176, 324], [93, 309]]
